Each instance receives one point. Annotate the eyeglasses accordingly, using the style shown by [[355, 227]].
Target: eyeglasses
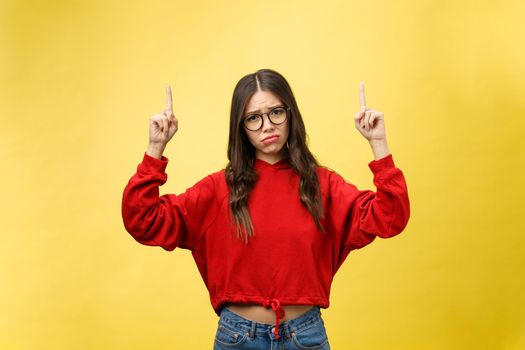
[[277, 116]]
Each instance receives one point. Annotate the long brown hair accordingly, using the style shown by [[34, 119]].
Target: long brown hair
[[240, 175]]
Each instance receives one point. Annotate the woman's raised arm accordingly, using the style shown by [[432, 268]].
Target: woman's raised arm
[[169, 220]]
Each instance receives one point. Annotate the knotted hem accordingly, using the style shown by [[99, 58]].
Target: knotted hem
[[276, 303]]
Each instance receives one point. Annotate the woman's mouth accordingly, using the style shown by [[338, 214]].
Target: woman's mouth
[[270, 139]]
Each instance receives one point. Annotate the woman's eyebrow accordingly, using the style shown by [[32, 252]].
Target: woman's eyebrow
[[259, 111]]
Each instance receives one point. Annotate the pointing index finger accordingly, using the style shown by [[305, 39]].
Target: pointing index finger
[[362, 100], [169, 99]]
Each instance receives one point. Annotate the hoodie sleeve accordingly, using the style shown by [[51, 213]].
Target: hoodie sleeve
[[357, 217], [170, 220]]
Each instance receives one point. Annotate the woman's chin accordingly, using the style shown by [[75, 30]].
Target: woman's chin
[[271, 151]]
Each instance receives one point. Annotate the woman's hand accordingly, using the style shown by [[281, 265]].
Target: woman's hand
[[163, 125], [369, 122]]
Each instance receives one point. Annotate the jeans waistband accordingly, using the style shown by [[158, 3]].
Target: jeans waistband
[[285, 328]]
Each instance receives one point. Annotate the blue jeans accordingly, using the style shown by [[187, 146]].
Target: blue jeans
[[305, 332]]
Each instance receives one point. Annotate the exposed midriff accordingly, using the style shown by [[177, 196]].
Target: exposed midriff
[[261, 314]]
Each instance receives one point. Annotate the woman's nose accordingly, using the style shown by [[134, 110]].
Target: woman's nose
[[267, 124]]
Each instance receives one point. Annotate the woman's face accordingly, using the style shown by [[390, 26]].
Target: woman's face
[[269, 141]]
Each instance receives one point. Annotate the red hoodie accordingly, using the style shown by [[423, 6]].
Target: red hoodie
[[288, 261]]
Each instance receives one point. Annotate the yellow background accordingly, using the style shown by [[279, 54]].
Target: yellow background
[[80, 79]]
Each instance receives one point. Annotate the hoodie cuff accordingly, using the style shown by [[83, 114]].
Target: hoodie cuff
[[382, 164], [155, 164]]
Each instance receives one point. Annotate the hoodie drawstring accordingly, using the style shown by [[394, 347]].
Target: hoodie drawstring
[[275, 304]]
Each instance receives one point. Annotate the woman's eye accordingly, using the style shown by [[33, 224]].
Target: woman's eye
[[252, 118], [277, 111]]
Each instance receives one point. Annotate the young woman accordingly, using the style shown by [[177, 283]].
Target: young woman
[[269, 231]]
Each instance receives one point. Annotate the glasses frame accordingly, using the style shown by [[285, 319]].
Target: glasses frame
[[261, 115]]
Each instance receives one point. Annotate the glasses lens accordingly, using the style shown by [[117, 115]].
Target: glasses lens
[[278, 115], [253, 122]]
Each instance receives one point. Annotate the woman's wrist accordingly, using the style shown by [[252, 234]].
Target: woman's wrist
[[155, 150], [380, 148]]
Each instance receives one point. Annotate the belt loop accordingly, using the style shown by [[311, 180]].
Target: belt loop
[[287, 332], [252, 331]]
